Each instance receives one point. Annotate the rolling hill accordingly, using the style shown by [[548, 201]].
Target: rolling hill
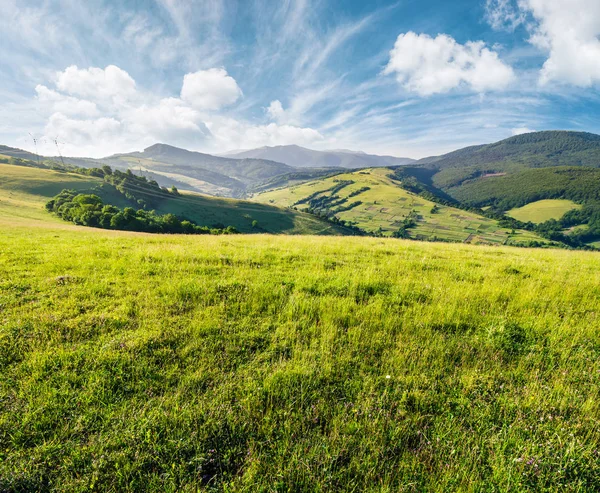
[[188, 170], [526, 169], [374, 202], [535, 149], [25, 190], [301, 157]]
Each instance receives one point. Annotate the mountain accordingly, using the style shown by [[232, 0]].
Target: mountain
[[226, 173], [470, 174], [536, 149], [170, 165], [301, 157]]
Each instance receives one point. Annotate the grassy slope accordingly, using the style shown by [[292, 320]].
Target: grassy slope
[[240, 213], [543, 210], [24, 191], [256, 363], [385, 205]]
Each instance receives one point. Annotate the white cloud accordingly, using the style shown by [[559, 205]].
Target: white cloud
[[230, 133], [67, 105], [568, 31], [210, 89], [96, 83], [276, 111], [170, 119], [108, 121], [83, 134], [521, 130], [503, 15], [427, 65]]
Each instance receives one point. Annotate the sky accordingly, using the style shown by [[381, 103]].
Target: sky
[[409, 78]]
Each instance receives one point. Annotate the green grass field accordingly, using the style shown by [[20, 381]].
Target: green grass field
[[385, 205], [257, 363], [24, 191], [138, 362], [543, 210]]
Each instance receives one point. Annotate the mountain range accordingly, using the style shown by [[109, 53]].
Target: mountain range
[[301, 157], [231, 176], [469, 175]]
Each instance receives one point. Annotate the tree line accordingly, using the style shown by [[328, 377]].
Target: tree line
[[90, 210]]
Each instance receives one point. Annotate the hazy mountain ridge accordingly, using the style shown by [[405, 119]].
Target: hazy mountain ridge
[[301, 157]]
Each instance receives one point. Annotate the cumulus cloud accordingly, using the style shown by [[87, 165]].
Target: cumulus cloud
[[95, 83], [210, 89], [427, 65], [568, 31], [82, 132], [276, 111], [97, 112], [238, 134], [67, 105]]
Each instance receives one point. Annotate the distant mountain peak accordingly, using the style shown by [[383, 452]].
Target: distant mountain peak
[[302, 157]]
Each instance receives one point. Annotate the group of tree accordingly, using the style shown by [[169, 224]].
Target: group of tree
[[90, 210], [580, 184]]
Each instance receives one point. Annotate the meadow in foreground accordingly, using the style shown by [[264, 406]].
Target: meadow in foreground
[[131, 362]]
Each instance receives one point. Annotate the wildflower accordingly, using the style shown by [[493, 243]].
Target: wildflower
[[387, 377]]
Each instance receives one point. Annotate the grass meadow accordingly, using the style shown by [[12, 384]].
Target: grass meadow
[[132, 362], [543, 210]]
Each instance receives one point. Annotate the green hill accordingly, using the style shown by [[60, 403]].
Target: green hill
[[25, 190], [543, 210], [536, 149], [476, 175], [186, 170], [374, 202]]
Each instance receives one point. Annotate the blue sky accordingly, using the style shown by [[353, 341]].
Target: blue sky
[[407, 78]]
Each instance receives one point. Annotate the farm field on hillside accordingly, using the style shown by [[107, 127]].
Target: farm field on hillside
[[380, 205], [543, 210], [244, 363]]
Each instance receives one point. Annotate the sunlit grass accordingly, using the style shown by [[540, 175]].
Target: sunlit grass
[[543, 210], [260, 363]]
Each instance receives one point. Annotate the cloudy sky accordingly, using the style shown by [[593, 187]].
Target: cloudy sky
[[407, 78]]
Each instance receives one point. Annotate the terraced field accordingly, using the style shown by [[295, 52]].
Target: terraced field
[[374, 202]]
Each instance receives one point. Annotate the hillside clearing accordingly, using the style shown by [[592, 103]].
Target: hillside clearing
[[543, 210]]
